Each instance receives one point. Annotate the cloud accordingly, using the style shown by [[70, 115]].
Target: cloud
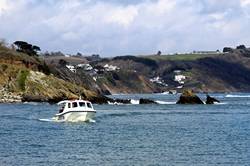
[[245, 3], [3, 6], [111, 27], [122, 16]]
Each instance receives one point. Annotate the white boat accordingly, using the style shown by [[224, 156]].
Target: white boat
[[75, 111]]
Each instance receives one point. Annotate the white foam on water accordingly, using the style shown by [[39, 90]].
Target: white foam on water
[[165, 102], [31, 103], [91, 120], [114, 103], [51, 120], [58, 121], [132, 101], [220, 103], [238, 96], [47, 120]]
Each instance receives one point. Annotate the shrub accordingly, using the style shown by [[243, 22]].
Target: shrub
[[4, 67], [241, 47], [22, 79]]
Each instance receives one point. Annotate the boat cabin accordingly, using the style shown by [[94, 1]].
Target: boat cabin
[[69, 105]]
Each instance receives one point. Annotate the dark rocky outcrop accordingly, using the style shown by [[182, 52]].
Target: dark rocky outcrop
[[146, 101], [188, 97], [211, 100], [120, 101], [31, 98], [99, 99]]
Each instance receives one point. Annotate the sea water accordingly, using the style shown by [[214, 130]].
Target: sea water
[[164, 134]]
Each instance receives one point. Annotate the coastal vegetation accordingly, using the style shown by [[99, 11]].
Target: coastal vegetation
[[21, 79], [28, 78], [54, 76]]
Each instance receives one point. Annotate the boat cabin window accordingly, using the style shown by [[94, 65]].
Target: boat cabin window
[[89, 105], [69, 105], [74, 104], [81, 104]]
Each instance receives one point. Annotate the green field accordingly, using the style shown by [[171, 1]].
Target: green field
[[180, 57]]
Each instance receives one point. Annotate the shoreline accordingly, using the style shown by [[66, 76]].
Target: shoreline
[[10, 98]]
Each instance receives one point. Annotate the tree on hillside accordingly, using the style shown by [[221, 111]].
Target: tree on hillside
[[27, 48], [79, 54], [158, 53], [20, 44], [62, 62], [36, 48], [243, 47], [53, 54]]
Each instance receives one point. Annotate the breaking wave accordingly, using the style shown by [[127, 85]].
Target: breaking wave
[[135, 102], [237, 96], [165, 102]]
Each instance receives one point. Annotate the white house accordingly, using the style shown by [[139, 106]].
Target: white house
[[71, 68], [158, 80], [86, 67], [180, 78], [111, 67]]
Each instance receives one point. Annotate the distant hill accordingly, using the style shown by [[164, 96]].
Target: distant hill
[[203, 72]]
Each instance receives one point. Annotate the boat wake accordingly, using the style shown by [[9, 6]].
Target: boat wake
[[51, 120], [58, 121], [237, 96], [47, 120], [91, 121]]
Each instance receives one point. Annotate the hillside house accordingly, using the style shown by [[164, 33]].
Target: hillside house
[[180, 78], [111, 67], [158, 80], [71, 68], [86, 67]]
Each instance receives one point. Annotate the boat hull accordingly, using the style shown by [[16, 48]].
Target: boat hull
[[76, 116]]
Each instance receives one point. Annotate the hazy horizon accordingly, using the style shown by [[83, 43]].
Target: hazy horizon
[[138, 27]]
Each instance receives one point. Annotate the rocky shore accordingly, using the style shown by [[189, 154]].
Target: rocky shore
[[8, 97], [189, 97]]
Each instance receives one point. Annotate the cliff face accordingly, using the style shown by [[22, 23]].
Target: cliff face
[[26, 78]]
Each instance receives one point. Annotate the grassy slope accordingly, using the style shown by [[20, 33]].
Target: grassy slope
[[19, 74], [180, 57]]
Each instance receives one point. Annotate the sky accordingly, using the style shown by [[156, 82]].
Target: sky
[[126, 27]]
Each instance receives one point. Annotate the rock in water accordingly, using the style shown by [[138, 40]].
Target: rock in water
[[188, 97], [211, 100], [146, 101]]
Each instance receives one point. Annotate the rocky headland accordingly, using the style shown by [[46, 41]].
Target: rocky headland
[[51, 77]]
